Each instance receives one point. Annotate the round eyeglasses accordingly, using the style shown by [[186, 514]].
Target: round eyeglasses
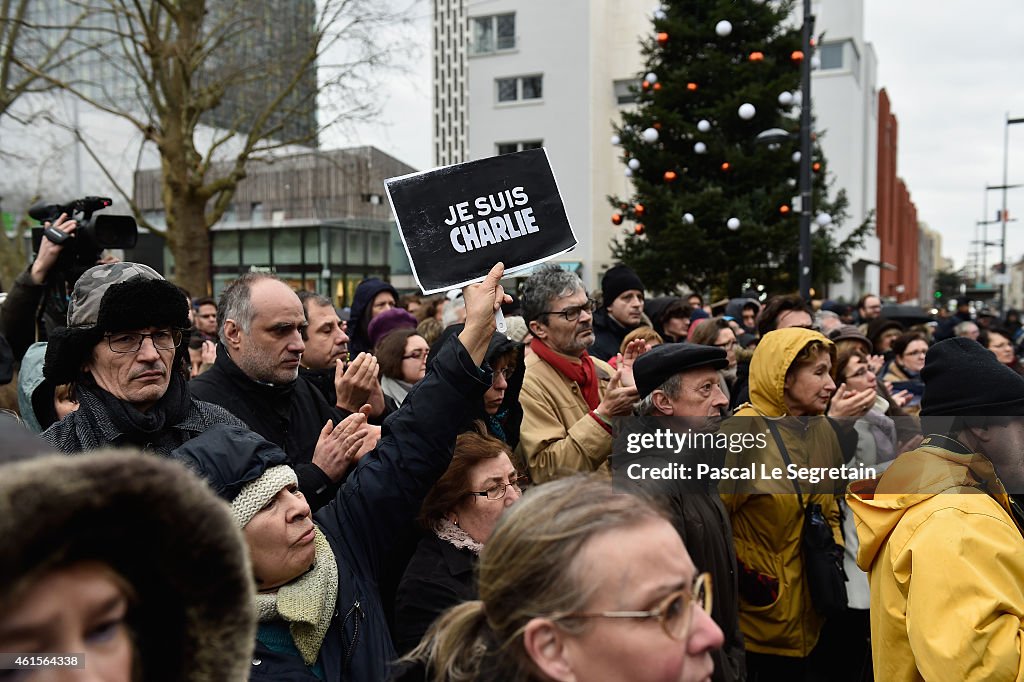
[[674, 612]]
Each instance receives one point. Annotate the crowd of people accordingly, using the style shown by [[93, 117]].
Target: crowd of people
[[396, 490]]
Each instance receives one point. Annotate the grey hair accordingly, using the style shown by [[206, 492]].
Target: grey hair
[[962, 328], [823, 315], [449, 314], [543, 287], [307, 297], [236, 303], [672, 386]]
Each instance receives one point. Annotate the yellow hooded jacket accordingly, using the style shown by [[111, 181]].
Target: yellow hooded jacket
[[945, 562], [767, 528]]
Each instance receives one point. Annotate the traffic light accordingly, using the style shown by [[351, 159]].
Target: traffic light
[[938, 294]]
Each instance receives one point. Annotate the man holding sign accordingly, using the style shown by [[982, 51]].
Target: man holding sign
[[568, 397]]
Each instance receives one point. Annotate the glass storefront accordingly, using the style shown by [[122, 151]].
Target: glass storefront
[[353, 252]]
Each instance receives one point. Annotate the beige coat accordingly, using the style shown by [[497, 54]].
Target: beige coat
[[559, 437]]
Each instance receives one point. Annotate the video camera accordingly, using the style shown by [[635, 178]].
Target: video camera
[[94, 233]]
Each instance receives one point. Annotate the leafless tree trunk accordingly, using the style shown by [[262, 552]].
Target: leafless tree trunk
[[192, 63]]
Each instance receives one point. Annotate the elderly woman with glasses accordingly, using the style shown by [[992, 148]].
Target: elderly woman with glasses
[[402, 356], [577, 582], [459, 515]]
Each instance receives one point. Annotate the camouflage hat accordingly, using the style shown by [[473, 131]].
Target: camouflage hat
[[109, 298], [84, 307]]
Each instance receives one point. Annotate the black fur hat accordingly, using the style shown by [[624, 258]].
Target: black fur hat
[[108, 298]]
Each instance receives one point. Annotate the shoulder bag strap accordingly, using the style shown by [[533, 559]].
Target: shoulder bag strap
[[785, 456]]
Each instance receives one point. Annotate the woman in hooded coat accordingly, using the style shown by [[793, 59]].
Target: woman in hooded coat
[[371, 298], [790, 376], [128, 559]]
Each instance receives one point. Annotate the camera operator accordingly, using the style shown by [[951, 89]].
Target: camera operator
[[20, 319]]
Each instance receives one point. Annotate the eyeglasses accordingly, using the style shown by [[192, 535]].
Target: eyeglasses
[[131, 342], [728, 345], [506, 372], [572, 313], [916, 352], [418, 354], [674, 612], [497, 492]]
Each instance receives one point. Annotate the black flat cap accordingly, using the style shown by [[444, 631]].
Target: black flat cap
[[654, 367]]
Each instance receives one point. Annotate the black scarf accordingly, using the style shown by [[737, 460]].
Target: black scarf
[[139, 428]]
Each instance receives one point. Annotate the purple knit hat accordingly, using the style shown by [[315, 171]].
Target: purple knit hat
[[389, 321]]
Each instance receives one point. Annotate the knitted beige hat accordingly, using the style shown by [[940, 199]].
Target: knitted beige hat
[[257, 493]]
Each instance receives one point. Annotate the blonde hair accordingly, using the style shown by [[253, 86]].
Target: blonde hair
[[646, 333], [527, 569]]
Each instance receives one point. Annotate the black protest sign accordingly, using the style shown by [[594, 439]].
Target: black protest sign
[[458, 221]]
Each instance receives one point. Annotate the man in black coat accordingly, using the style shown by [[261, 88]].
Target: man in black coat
[[323, 619], [260, 324], [621, 311], [681, 380]]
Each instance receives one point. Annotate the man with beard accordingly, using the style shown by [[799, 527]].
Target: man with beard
[[568, 397], [122, 349], [681, 380], [261, 323]]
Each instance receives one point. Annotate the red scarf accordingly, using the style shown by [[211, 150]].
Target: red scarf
[[582, 372]]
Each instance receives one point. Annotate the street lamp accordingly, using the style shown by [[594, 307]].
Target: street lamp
[[1002, 215], [775, 135]]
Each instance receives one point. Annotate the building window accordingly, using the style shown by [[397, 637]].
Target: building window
[[520, 88], [831, 56], [624, 91], [513, 147], [492, 34], [840, 55]]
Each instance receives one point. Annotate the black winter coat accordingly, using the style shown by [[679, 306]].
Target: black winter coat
[[608, 335], [378, 500], [702, 522], [439, 576], [290, 416]]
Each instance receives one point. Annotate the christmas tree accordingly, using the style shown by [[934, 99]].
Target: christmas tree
[[713, 206]]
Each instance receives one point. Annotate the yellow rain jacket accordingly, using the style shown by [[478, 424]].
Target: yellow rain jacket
[[776, 613], [945, 562]]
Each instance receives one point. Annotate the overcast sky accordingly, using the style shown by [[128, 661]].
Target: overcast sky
[[952, 71]]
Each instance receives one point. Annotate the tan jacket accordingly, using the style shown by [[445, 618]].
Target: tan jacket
[[559, 436]]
